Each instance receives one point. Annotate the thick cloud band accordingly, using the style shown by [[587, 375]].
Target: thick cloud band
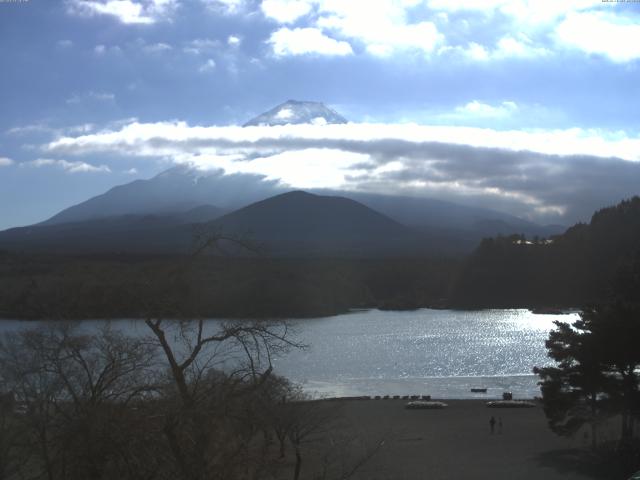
[[561, 175]]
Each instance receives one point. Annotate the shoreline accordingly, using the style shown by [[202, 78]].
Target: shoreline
[[522, 386], [456, 442], [410, 398], [329, 313]]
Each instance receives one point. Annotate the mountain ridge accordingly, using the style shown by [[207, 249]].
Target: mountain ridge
[[289, 224], [181, 188], [175, 190]]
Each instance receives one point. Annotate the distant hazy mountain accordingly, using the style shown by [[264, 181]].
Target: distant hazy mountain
[[180, 189], [127, 218], [433, 213], [173, 191], [449, 227], [200, 214], [295, 112]]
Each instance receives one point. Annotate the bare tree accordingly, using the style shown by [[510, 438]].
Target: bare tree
[[241, 354], [12, 439], [77, 391]]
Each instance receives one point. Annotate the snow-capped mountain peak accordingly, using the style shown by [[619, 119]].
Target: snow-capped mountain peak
[[297, 112]]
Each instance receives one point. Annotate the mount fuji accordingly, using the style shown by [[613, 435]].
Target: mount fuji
[[159, 213], [297, 112]]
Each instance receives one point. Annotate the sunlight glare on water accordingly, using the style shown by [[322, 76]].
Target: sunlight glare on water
[[356, 352]]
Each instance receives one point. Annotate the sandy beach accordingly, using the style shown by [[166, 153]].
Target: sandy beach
[[456, 443]]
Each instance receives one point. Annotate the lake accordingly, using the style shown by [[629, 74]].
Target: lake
[[443, 353], [438, 352]]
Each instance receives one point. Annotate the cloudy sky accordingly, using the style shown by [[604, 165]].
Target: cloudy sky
[[527, 106]]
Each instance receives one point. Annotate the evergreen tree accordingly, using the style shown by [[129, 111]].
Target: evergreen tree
[[596, 375], [573, 390]]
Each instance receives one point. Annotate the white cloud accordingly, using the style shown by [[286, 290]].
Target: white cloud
[[28, 129], [82, 128], [304, 41], [126, 11], [67, 166], [591, 26], [234, 40], [386, 27], [5, 162], [91, 96], [521, 47], [322, 167], [131, 171], [64, 43], [286, 11], [477, 52], [462, 5], [157, 48], [39, 128], [544, 12], [207, 66], [598, 33], [484, 110], [227, 7], [422, 36], [524, 11], [382, 26], [170, 138], [103, 49], [506, 47], [201, 46], [545, 172]]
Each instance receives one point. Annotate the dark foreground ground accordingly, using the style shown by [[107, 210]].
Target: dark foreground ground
[[456, 443]]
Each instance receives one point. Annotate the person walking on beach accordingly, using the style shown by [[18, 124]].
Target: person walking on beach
[[499, 424], [492, 424]]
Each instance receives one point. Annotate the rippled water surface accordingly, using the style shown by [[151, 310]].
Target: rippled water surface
[[438, 352]]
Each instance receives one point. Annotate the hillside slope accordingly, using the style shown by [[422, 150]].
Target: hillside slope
[[299, 223]]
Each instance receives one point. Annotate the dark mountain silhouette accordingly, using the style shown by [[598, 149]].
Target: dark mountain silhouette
[[302, 223], [123, 233], [297, 112], [119, 233], [291, 224]]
